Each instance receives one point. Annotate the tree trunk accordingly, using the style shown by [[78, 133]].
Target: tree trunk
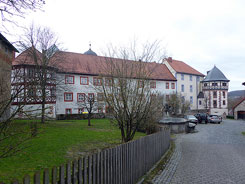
[[43, 86], [43, 108], [89, 117]]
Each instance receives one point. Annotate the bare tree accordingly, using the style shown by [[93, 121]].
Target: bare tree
[[18, 8], [126, 85], [44, 59], [185, 106], [176, 104], [89, 103], [150, 124]]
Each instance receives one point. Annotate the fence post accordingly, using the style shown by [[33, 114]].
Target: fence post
[[89, 170], [62, 174], [74, 172], [37, 178], [80, 174], [26, 179], [121, 163], [114, 168], [54, 175], [98, 161], [68, 173], [124, 163], [102, 166], [46, 176], [107, 166], [94, 168], [85, 170], [110, 163]]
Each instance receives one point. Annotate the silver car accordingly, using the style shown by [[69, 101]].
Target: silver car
[[214, 119], [191, 119]]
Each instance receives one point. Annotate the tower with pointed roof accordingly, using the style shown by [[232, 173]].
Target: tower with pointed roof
[[214, 95]]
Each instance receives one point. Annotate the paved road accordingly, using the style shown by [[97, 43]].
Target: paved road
[[215, 154]]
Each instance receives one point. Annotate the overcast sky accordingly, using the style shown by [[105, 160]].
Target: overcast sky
[[200, 33]]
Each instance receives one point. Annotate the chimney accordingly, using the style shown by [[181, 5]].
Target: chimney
[[208, 72], [170, 59]]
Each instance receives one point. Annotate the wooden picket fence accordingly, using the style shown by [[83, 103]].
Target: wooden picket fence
[[123, 164]]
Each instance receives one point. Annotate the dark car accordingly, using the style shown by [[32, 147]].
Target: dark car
[[191, 119], [202, 117], [214, 119]]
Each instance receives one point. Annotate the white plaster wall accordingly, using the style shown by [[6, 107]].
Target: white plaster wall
[[202, 106], [61, 105], [187, 93]]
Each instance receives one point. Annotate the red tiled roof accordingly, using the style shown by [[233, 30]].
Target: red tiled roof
[[24, 58], [181, 67], [94, 65], [238, 103]]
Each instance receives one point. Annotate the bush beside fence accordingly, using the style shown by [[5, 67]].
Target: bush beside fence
[[125, 163]]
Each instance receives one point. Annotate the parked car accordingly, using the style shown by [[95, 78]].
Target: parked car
[[202, 117], [191, 119], [214, 119]]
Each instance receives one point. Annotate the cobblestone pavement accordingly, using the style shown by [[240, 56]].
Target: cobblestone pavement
[[215, 154]]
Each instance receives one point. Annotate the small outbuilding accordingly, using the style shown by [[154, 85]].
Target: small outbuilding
[[239, 110]]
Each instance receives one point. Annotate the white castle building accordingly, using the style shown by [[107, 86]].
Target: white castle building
[[80, 75]]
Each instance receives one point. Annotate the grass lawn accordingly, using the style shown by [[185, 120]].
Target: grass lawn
[[243, 133], [57, 143]]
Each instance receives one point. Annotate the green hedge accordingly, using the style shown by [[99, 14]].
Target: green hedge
[[230, 117]]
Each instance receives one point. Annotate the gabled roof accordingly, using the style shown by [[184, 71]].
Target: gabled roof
[[215, 75], [3, 39], [182, 67], [82, 64], [238, 103], [25, 57]]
